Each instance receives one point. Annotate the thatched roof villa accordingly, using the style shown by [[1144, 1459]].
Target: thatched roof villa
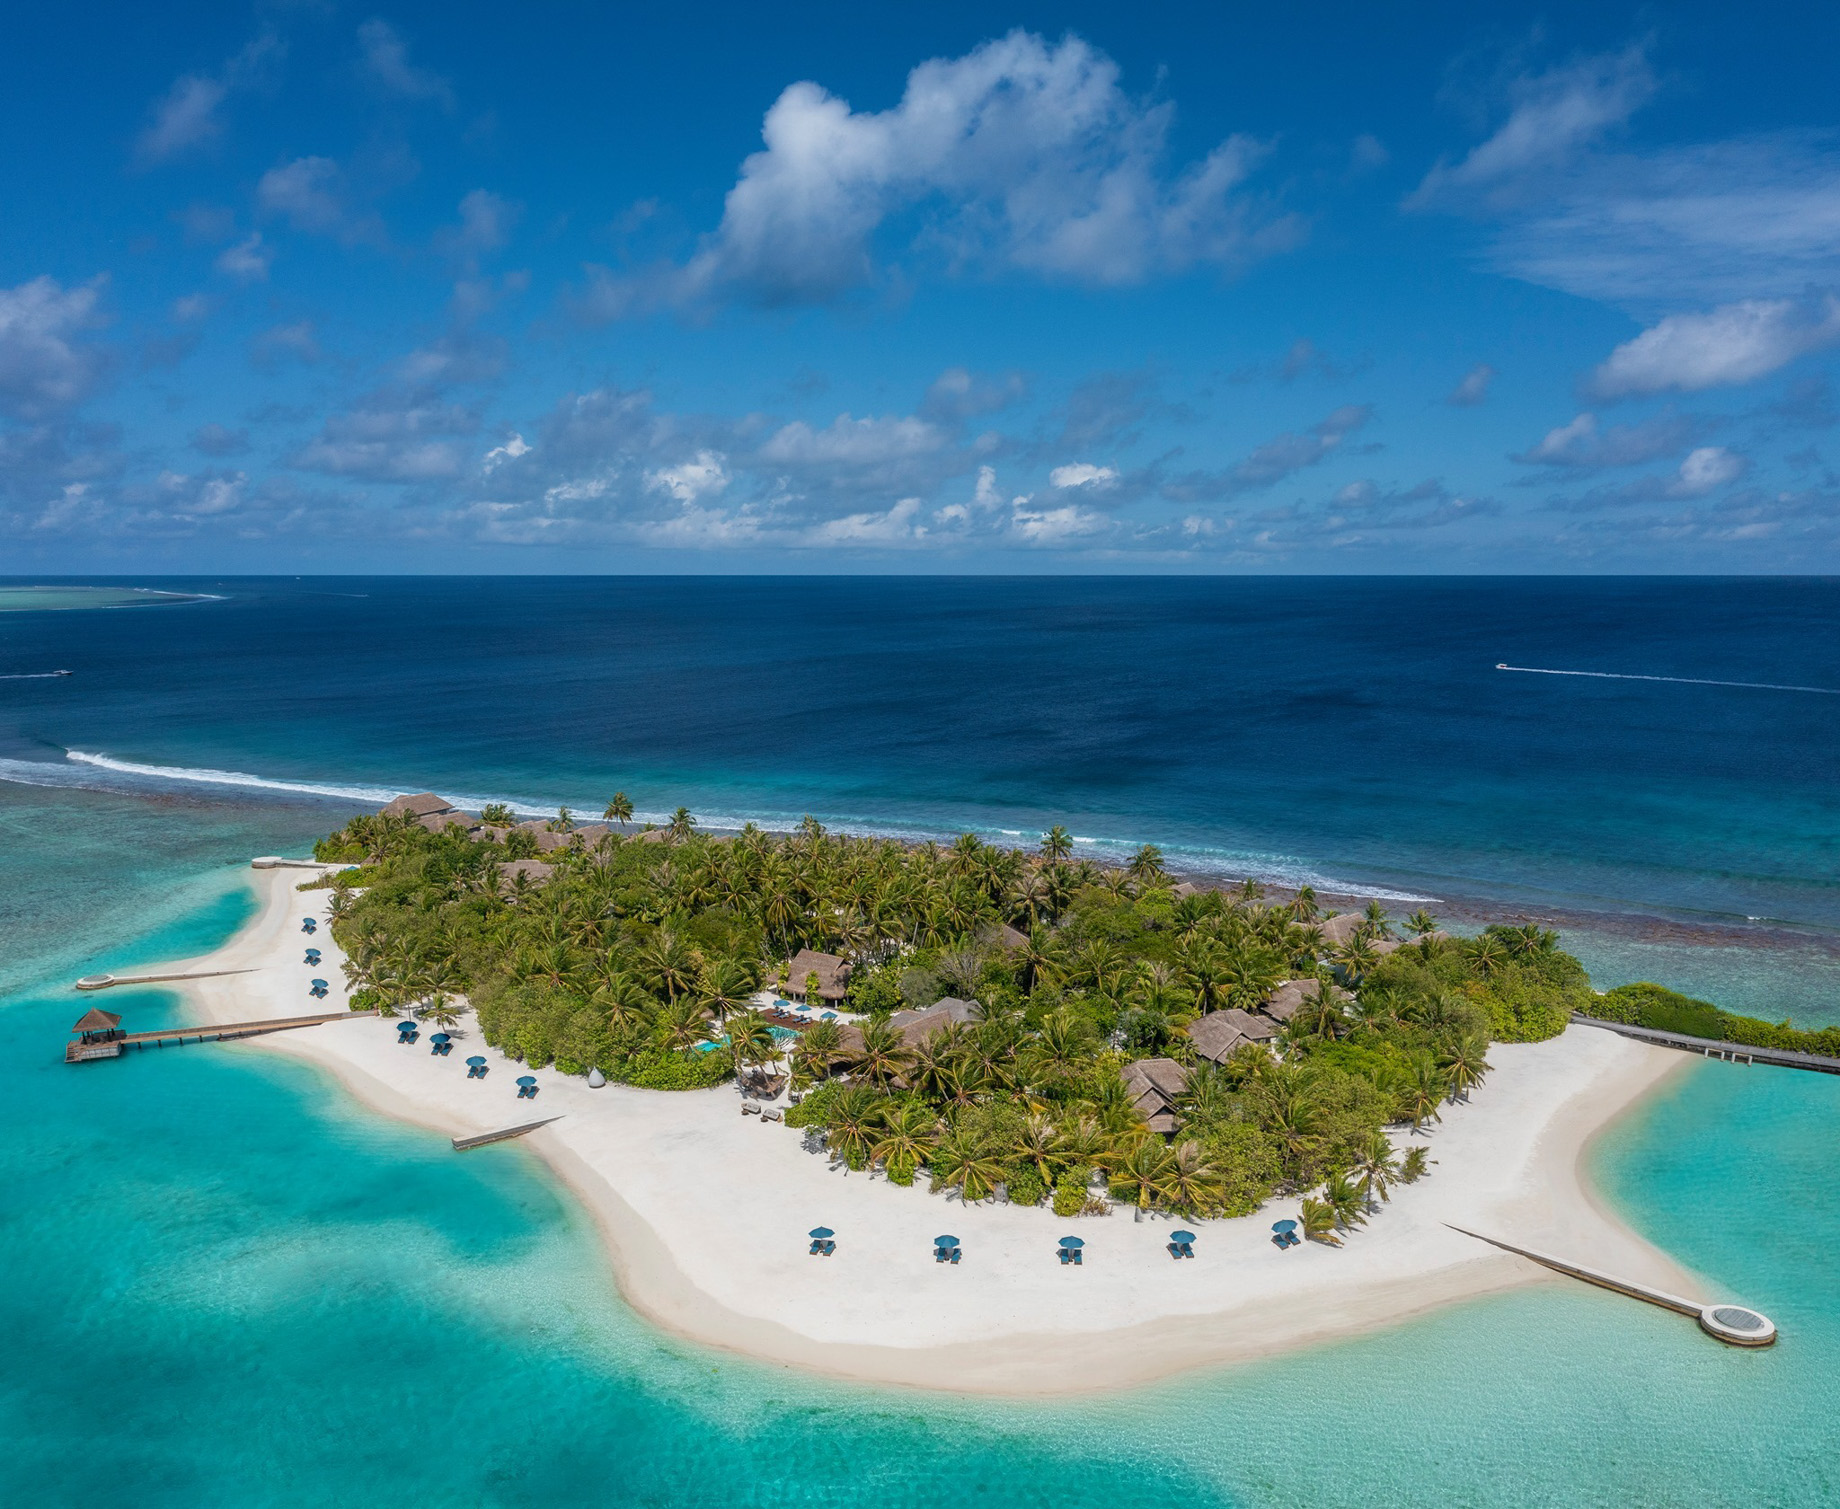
[[1220, 1034], [1154, 1084], [1337, 930], [833, 974], [918, 1026], [427, 804], [533, 870], [1287, 1000]]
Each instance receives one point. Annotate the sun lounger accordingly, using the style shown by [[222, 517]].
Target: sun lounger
[[955, 1254]]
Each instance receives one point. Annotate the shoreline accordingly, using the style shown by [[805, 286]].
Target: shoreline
[[703, 1211]]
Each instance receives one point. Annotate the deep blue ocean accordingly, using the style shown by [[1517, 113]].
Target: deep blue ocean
[[291, 1301]]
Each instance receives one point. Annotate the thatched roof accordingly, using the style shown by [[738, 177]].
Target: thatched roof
[[440, 822], [97, 1020], [1220, 1034], [918, 1026], [1000, 935], [533, 870], [653, 836], [833, 974], [593, 835], [1338, 929], [1154, 1084], [418, 806], [1185, 888], [1287, 1000]]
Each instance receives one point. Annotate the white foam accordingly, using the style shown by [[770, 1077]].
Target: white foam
[[106, 772]]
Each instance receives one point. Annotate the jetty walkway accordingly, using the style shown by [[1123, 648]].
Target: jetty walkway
[[1735, 1325], [109, 982], [106, 1040], [1711, 1047]]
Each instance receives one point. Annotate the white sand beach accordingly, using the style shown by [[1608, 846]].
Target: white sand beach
[[705, 1210]]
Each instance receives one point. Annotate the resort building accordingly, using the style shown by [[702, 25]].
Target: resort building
[[440, 822], [917, 1026], [833, 973], [1154, 1084], [1220, 1034], [1337, 930], [425, 805], [1002, 937], [535, 871], [1287, 1000]]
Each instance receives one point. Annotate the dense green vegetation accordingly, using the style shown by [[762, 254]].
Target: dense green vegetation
[[1655, 1006], [636, 957]]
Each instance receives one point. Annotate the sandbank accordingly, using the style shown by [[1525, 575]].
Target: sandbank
[[705, 1210]]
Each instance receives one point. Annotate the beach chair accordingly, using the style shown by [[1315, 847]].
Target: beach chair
[[942, 1255], [817, 1247], [1076, 1257], [829, 1248], [1175, 1249], [955, 1254], [1066, 1256]]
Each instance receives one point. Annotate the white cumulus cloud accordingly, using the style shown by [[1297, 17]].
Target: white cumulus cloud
[[1022, 151], [1084, 474], [1722, 347], [42, 366], [690, 481]]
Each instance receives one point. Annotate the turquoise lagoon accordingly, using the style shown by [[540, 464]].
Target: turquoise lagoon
[[229, 1285]]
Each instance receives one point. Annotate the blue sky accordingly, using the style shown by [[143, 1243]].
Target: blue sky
[[308, 287]]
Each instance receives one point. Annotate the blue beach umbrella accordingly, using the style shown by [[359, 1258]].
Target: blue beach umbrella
[[318, 984], [945, 1241], [819, 1233], [1072, 1242], [439, 1037], [527, 1079], [476, 1062], [1181, 1236], [1283, 1225]]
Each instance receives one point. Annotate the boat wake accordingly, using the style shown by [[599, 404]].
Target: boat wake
[[88, 770], [34, 676], [1756, 686]]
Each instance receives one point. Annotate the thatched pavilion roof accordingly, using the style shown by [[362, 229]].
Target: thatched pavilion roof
[[97, 1020]]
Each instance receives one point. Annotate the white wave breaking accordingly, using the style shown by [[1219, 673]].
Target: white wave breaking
[[85, 769]]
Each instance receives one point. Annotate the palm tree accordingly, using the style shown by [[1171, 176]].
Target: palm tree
[[1464, 1064], [1056, 844], [855, 1121], [683, 1023], [1376, 1167], [907, 1140], [1146, 865], [1194, 1182], [1422, 922], [1423, 1092], [619, 810], [1319, 1223], [1143, 1171], [960, 1161], [682, 824], [1341, 1196], [1321, 1014], [751, 1040], [820, 1046], [670, 962], [933, 1068], [882, 1056], [1486, 954], [726, 987], [625, 1001]]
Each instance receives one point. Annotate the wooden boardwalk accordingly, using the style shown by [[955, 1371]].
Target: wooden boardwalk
[[1735, 1325], [1737, 1053], [109, 982], [461, 1144], [82, 1052]]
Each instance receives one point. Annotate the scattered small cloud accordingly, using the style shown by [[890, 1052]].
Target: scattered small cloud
[[385, 60], [1582, 445], [296, 339], [187, 116], [1085, 475], [44, 364], [1275, 460], [248, 260], [219, 440], [1473, 389], [1551, 116]]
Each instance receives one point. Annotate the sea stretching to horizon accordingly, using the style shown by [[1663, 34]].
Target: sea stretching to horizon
[[287, 1213]]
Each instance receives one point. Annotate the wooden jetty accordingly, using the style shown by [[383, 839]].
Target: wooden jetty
[[1735, 1325], [461, 1144], [1710, 1047], [109, 982], [100, 1034]]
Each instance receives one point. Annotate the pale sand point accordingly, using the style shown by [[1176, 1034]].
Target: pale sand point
[[705, 1211]]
